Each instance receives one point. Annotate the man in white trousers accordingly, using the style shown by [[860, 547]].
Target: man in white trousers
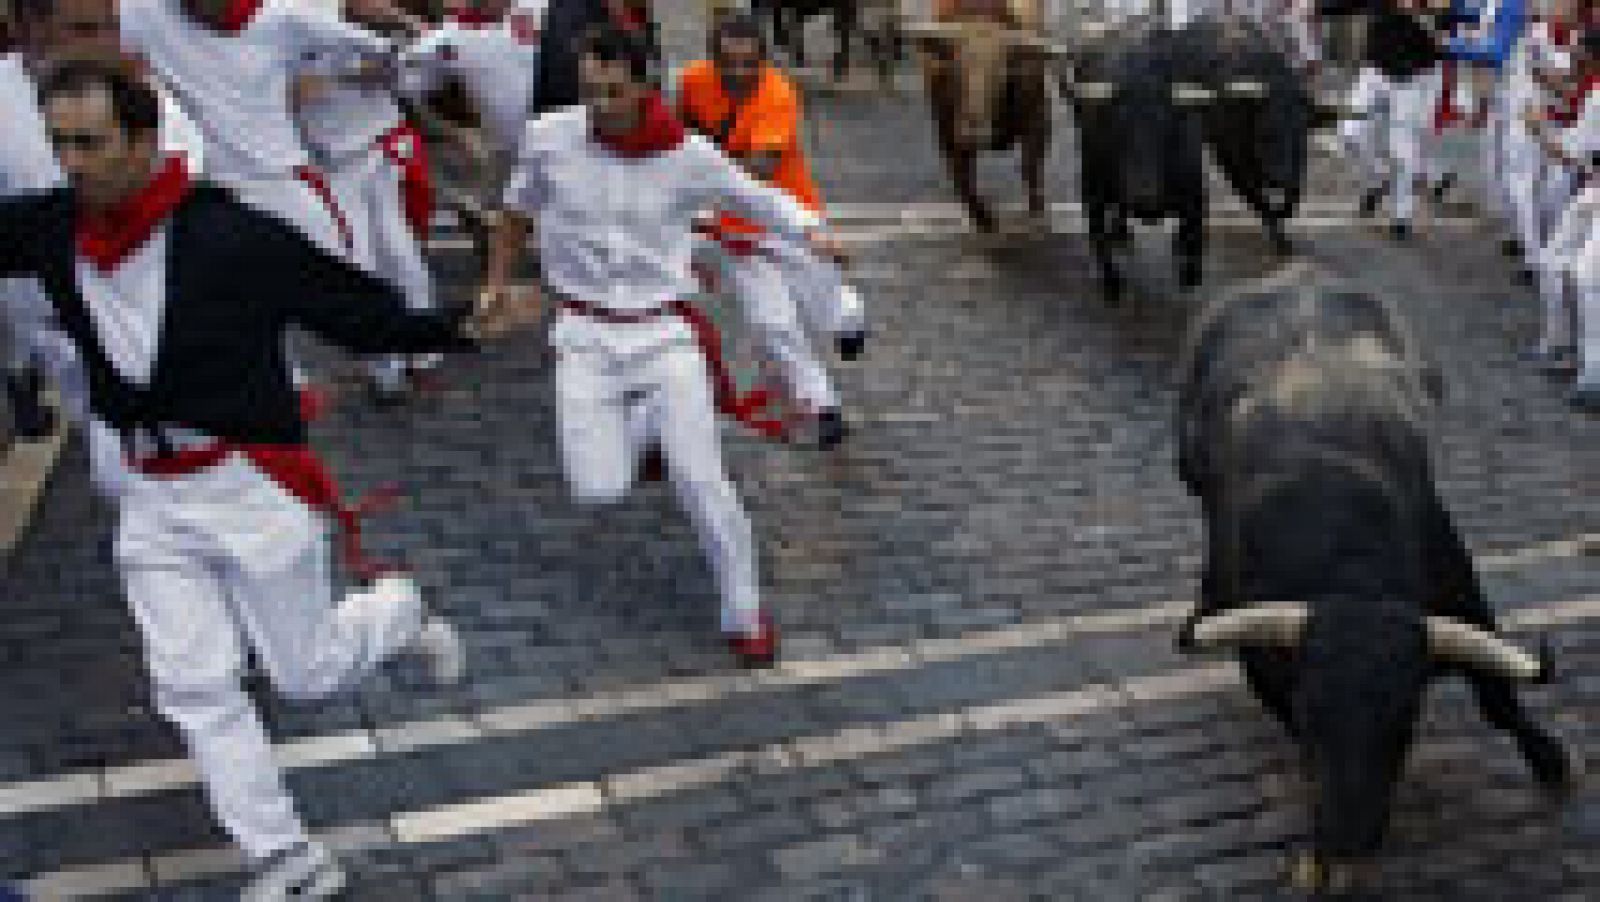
[[375, 163], [1396, 89], [1569, 261], [175, 295], [611, 187], [745, 106]]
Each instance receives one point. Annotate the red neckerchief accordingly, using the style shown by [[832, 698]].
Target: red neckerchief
[[474, 18], [658, 131], [627, 16], [106, 239], [238, 15], [1573, 107]]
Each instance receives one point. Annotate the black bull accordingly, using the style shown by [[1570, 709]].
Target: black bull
[[1332, 566], [1141, 146], [1259, 122]]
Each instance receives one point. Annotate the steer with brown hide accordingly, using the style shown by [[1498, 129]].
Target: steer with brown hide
[[986, 71], [1332, 567]]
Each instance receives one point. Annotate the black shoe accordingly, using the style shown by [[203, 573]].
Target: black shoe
[[851, 344], [1443, 186], [652, 464], [831, 429], [31, 418], [1399, 231], [387, 397], [1511, 247], [1370, 202]]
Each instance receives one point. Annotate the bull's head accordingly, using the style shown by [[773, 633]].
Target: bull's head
[[1353, 679], [976, 59], [1151, 119]]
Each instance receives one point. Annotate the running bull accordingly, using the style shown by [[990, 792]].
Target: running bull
[[1332, 565], [1259, 123], [987, 81], [1142, 151]]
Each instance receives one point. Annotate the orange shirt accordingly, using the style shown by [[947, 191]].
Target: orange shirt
[[769, 122]]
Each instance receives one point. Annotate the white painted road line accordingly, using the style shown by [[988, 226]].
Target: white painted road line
[[143, 778], [486, 815]]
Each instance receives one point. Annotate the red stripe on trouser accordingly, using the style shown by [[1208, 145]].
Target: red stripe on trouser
[[319, 185], [749, 408], [300, 472]]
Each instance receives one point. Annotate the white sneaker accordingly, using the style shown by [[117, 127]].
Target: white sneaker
[[440, 645], [306, 871]]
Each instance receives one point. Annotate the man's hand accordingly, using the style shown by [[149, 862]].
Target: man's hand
[[826, 244], [504, 308]]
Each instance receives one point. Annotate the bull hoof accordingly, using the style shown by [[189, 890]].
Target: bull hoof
[[985, 222], [1310, 873], [1558, 770], [1111, 290], [1189, 278]]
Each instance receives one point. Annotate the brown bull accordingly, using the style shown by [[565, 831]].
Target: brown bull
[[986, 73]]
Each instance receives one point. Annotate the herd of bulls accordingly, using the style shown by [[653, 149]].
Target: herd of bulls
[[1333, 568], [1147, 101]]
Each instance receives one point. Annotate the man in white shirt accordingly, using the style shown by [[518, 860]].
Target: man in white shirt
[[611, 188], [492, 50], [230, 65], [1569, 261], [375, 162]]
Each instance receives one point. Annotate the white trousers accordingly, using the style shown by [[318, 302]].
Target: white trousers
[[608, 405], [1389, 143], [1569, 267], [222, 558], [769, 303], [370, 190]]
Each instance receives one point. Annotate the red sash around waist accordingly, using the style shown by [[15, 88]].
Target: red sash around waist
[[300, 472], [749, 408]]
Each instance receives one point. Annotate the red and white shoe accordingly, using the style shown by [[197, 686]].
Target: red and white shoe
[[759, 649]]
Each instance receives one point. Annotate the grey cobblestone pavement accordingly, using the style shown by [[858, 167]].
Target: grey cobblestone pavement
[[978, 593]]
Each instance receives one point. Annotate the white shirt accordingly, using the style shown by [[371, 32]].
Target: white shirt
[[615, 232], [345, 117], [126, 305], [496, 64], [236, 87], [1581, 140], [27, 160]]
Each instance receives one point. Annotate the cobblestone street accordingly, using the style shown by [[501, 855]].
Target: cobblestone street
[[979, 697]]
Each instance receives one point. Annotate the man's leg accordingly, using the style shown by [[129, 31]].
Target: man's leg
[[770, 309], [193, 655], [1411, 108], [599, 451], [830, 304], [398, 250], [1586, 283], [314, 645], [1360, 135], [690, 440]]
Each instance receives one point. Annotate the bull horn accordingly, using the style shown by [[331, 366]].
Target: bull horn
[[1192, 95], [1272, 624], [1028, 40], [931, 30], [1479, 649], [1094, 90], [1246, 88]]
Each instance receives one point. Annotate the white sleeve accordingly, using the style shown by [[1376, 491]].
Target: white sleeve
[[1582, 139], [526, 189], [716, 181], [424, 64], [306, 28], [132, 18]]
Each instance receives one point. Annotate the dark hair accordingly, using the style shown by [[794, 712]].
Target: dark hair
[[33, 10], [737, 26], [133, 102], [612, 45]]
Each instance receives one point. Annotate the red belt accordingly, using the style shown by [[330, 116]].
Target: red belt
[[318, 182], [404, 147], [297, 470], [749, 408], [736, 243]]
